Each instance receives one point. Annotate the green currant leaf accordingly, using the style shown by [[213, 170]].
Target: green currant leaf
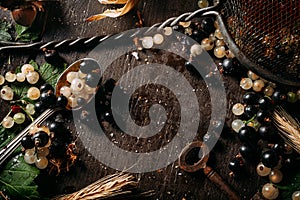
[[4, 34], [17, 179], [292, 186], [20, 90], [27, 34], [50, 74], [6, 135], [34, 64]]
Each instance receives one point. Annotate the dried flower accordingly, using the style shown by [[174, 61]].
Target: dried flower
[[129, 4]]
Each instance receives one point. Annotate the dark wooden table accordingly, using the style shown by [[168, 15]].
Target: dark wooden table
[[67, 20]]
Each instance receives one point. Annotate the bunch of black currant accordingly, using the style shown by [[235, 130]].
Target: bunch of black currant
[[49, 100]]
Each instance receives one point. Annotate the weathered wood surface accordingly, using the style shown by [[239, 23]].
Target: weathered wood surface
[[67, 20]]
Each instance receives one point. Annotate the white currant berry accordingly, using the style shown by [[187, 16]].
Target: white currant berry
[[10, 77], [32, 77], [147, 42], [19, 118], [77, 85], [41, 162], [158, 38], [196, 49], [2, 80], [30, 152], [21, 77], [43, 152], [33, 93], [66, 91], [72, 101], [81, 74], [83, 94], [8, 122], [7, 93], [30, 109], [270, 191], [168, 30], [25, 69], [71, 76], [30, 159]]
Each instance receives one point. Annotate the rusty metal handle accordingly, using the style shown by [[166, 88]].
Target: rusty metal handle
[[217, 179]]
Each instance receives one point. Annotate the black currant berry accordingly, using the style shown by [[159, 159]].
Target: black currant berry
[[227, 66], [88, 66], [278, 97], [46, 87], [250, 110], [39, 107], [267, 132], [247, 152], [55, 127], [62, 101], [27, 142], [48, 98], [263, 116], [248, 135], [278, 148], [270, 158], [92, 79], [265, 103], [250, 98], [53, 58], [40, 138], [178, 28], [236, 166], [198, 35], [207, 24]]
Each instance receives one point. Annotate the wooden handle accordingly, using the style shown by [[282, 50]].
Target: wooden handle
[[216, 178]]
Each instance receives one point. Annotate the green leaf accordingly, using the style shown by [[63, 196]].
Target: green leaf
[[17, 179], [4, 34], [27, 34], [6, 135], [34, 64], [291, 187], [20, 90], [50, 74]]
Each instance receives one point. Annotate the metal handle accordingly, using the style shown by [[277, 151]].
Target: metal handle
[[217, 179], [13, 145], [70, 43]]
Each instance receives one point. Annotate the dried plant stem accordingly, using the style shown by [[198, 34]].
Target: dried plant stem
[[109, 186], [289, 128]]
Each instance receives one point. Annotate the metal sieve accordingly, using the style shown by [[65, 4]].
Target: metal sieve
[[263, 34]]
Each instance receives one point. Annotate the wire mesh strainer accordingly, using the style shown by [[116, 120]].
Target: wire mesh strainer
[[264, 35]]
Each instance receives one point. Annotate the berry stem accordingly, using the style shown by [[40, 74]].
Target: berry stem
[[249, 120], [6, 116], [29, 115]]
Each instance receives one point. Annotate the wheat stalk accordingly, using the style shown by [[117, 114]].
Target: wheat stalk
[[289, 128], [107, 187]]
